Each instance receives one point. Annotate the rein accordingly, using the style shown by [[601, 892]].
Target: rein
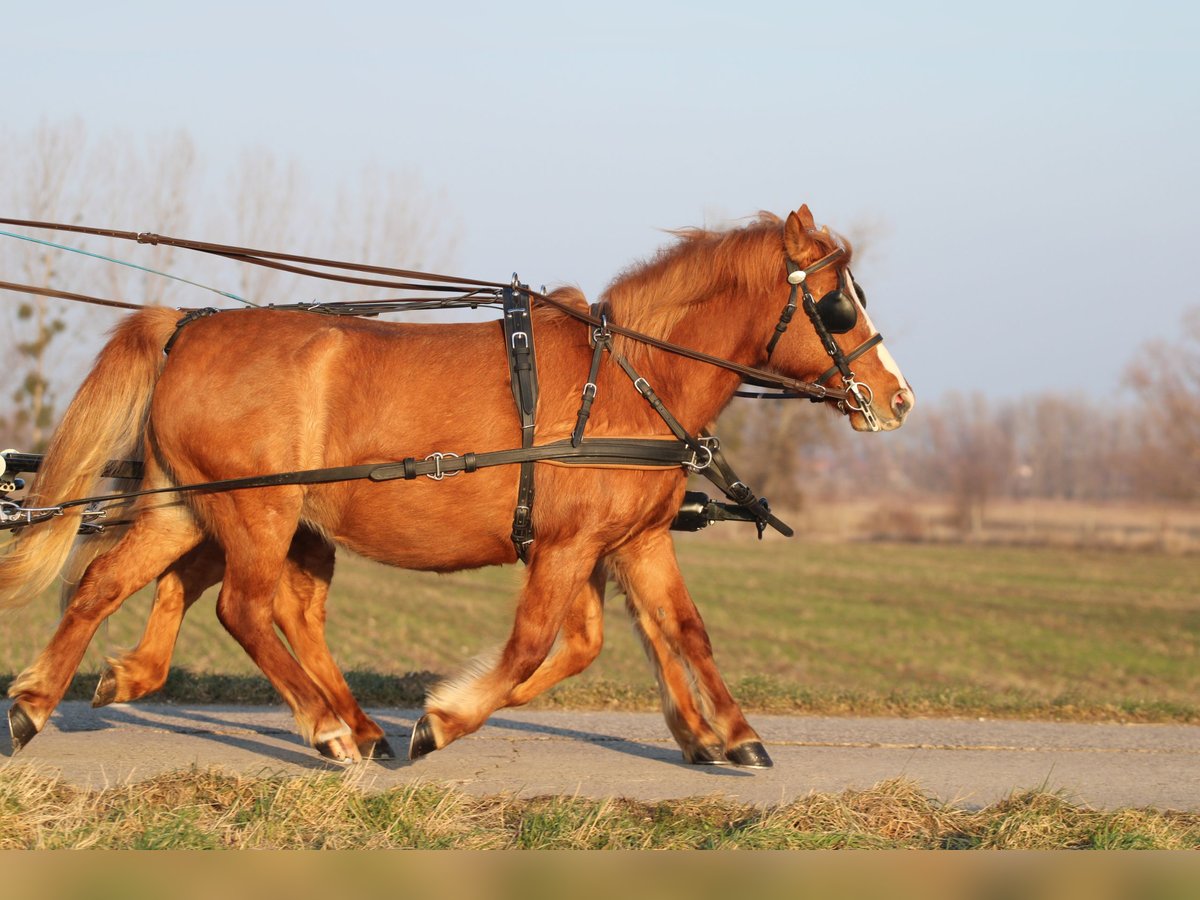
[[700, 454], [272, 259]]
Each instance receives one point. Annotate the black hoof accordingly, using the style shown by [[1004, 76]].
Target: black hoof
[[752, 756], [20, 727], [712, 755], [423, 741], [106, 690], [379, 749]]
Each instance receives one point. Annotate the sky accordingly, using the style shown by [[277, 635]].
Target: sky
[[1021, 176]]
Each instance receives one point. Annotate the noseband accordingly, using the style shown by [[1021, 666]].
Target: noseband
[[798, 278]]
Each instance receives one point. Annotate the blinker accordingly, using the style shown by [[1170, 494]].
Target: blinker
[[837, 309]]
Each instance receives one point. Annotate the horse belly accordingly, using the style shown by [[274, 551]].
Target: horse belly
[[433, 526]]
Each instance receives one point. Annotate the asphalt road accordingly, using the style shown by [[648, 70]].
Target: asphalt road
[[970, 763]]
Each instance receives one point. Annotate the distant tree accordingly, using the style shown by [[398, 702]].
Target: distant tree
[[1166, 378], [54, 174], [45, 180], [781, 448], [972, 455]]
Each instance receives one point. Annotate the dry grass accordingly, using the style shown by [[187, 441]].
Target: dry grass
[[208, 810]]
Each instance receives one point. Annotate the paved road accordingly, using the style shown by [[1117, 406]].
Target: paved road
[[597, 754]]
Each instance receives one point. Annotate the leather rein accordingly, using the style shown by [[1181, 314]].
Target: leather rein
[[700, 454]]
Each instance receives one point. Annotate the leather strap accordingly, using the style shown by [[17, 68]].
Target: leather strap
[[522, 366]]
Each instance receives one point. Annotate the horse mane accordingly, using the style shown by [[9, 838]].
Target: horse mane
[[653, 295]]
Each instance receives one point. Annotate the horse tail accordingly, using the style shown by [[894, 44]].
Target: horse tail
[[106, 420]]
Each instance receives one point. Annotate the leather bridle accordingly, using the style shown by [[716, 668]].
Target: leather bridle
[[860, 393]]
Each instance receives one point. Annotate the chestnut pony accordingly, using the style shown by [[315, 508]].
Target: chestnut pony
[[250, 392]]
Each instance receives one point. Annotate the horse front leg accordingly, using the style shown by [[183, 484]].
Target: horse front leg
[[579, 641], [702, 715], [555, 576]]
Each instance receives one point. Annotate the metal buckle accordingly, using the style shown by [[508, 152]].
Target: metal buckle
[[592, 395], [438, 474], [601, 333], [13, 515], [523, 336], [707, 446]]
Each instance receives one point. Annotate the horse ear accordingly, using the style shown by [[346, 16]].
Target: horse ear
[[804, 214], [795, 233]]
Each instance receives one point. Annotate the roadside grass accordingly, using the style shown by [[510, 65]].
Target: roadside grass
[[828, 628], [211, 810]]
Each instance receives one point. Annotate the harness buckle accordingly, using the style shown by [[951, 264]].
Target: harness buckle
[[438, 474], [708, 445], [523, 336]]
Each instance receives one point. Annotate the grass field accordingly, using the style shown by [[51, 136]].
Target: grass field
[[833, 627]]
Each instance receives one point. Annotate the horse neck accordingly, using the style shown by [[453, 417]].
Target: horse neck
[[729, 313]]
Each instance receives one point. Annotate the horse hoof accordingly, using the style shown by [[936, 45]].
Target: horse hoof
[[712, 755], [335, 750], [752, 755], [20, 727], [423, 741], [106, 690], [378, 749]]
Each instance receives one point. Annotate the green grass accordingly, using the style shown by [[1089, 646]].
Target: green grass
[[211, 810], [836, 628]]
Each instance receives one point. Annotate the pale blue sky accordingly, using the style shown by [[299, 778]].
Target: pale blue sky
[[1026, 171]]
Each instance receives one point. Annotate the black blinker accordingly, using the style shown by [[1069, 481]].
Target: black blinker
[[838, 312]]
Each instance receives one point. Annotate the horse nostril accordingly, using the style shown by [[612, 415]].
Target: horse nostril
[[902, 402]]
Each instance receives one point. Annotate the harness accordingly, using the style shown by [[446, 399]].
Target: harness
[[700, 454]]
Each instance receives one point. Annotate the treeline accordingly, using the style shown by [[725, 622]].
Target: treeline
[[972, 450], [60, 173]]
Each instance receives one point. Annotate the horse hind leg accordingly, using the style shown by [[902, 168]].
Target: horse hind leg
[[157, 538], [700, 712], [300, 615], [257, 533], [298, 611], [555, 576], [144, 669]]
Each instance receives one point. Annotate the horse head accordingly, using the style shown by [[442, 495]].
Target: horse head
[[833, 341]]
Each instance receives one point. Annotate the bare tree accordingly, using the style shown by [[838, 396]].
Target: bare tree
[[972, 455], [46, 181], [1166, 379]]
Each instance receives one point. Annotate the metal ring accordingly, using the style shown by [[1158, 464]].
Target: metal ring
[[856, 389], [700, 467], [438, 474]]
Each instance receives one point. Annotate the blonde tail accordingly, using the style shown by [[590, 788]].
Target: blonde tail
[[106, 420]]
